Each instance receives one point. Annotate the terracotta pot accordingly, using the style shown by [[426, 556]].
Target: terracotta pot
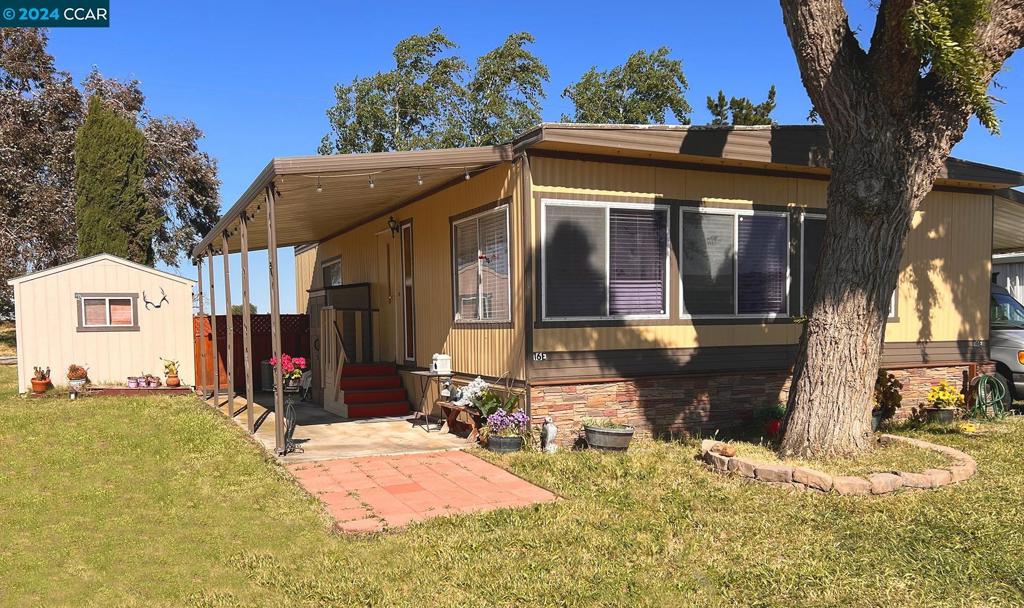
[[772, 427], [173, 381], [40, 386]]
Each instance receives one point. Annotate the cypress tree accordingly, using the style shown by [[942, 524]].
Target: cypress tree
[[111, 211]]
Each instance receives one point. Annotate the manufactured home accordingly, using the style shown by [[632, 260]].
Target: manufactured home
[[654, 274]]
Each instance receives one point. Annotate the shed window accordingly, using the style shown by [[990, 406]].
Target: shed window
[[605, 260], [735, 263], [107, 312], [331, 272], [482, 285]]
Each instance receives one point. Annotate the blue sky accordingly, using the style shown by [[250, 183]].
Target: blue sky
[[258, 76]]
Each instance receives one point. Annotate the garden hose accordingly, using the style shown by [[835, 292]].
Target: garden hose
[[988, 393]]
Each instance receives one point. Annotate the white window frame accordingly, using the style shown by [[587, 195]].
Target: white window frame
[[607, 206], [106, 309], [736, 213], [479, 268], [327, 264], [803, 282]]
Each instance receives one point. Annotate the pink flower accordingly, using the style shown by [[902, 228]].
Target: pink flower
[[300, 362], [273, 361]]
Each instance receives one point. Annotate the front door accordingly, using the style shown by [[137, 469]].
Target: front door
[[408, 303]]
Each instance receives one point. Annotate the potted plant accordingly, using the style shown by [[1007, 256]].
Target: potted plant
[[152, 381], [40, 380], [133, 382], [77, 378], [886, 400], [769, 418], [505, 431], [943, 399], [171, 371], [291, 370], [607, 435]]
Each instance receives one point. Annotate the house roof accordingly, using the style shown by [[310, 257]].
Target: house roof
[[321, 196], [102, 257]]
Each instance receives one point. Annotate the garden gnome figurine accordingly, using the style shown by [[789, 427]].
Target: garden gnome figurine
[[548, 430]]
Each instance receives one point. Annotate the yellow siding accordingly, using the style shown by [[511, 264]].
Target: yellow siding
[[365, 251], [943, 292], [47, 321], [305, 263]]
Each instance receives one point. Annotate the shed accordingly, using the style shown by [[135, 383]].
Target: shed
[[111, 315]]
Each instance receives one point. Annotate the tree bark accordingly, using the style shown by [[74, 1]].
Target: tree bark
[[890, 129]]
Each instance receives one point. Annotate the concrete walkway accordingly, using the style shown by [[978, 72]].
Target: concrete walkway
[[376, 493]]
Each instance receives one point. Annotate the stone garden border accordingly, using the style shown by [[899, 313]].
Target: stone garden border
[[962, 468]]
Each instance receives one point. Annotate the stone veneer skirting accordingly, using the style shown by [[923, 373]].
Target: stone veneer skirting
[[963, 467], [686, 404]]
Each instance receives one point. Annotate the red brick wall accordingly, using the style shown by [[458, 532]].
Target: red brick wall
[[675, 405]]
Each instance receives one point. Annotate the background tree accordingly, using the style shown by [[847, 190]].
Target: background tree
[[40, 110], [892, 114], [423, 103], [181, 184], [110, 165], [742, 110], [236, 309], [641, 91]]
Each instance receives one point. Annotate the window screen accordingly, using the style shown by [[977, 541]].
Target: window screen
[[98, 312], [482, 267], [332, 273], [762, 263], [637, 242], [574, 261], [707, 265]]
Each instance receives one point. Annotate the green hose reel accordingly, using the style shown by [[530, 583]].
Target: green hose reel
[[989, 395]]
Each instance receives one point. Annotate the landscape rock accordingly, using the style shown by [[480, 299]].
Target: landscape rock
[[725, 449], [707, 444], [884, 483], [717, 461], [812, 478], [915, 480], [939, 477], [742, 467], [851, 486], [959, 472], [774, 472]]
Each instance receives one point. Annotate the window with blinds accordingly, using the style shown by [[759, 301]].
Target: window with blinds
[[604, 260], [481, 267], [734, 263]]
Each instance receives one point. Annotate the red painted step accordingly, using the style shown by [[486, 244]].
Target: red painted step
[[375, 410], [381, 395], [370, 382], [368, 369]]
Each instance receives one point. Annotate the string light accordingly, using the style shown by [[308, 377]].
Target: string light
[[371, 182], [419, 178], [467, 172], [319, 188]]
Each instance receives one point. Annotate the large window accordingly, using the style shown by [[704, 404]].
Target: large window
[[734, 263], [482, 287], [107, 312], [812, 236], [604, 260], [330, 271]]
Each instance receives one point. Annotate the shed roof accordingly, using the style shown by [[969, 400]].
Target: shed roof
[[102, 257]]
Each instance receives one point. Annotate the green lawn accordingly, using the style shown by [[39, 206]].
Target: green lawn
[[159, 502]]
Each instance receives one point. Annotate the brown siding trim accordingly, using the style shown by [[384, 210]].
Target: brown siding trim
[[482, 208], [573, 367], [713, 168]]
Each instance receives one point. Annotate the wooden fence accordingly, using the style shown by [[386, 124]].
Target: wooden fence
[[294, 341]]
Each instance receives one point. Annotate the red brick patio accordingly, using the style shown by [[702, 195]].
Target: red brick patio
[[377, 492]]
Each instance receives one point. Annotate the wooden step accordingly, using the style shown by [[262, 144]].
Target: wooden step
[[368, 369], [370, 382], [378, 410], [380, 395]]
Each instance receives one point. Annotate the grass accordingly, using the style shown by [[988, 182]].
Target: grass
[[160, 502], [8, 340], [893, 457]]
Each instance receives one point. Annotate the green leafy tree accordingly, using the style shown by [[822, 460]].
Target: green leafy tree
[[236, 309], [111, 213], [505, 93], [40, 110], [893, 112], [641, 91], [423, 102], [741, 109]]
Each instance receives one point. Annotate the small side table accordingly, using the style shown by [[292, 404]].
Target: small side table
[[426, 377]]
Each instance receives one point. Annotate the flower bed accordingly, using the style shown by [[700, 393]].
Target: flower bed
[[720, 458]]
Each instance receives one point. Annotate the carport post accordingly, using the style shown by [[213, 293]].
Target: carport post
[[199, 334], [213, 331], [275, 323], [243, 234], [230, 328]]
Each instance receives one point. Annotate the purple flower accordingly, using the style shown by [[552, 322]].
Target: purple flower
[[508, 424]]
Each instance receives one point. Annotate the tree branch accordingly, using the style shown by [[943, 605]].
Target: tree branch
[[831, 61], [894, 64]]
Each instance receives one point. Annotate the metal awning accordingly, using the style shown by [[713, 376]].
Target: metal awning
[[1008, 221], [320, 196]]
